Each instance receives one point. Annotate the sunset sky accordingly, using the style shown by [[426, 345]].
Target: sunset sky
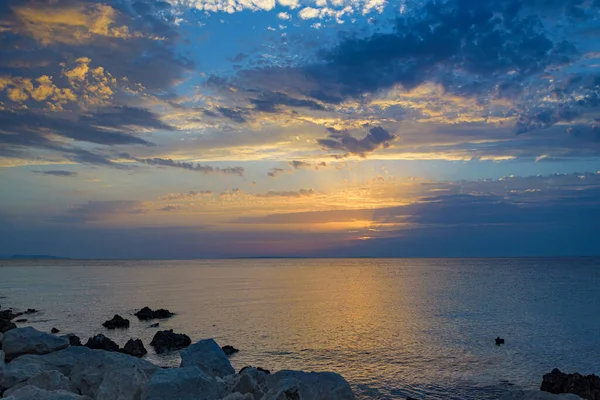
[[226, 128]]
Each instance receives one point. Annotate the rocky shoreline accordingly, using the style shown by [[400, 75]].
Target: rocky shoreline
[[37, 365]]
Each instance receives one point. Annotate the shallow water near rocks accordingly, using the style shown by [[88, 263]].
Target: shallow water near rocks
[[392, 327]]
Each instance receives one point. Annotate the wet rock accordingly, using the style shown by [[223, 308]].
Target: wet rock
[[31, 311], [2, 358], [584, 386], [134, 348], [188, 383], [147, 313], [1, 336], [266, 371], [28, 340], [9, 314], [54, 330], [499, 341], [47, 380], [208, 356], [229, 350], [155, 325], [307, 385], [164, 341], [116, 322], [35, 393], [73, 339], [101, 342], [21, 320], [6, 325]]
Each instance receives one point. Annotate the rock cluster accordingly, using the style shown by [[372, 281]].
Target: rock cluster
[[116, 322], [147, 313], [42, 369], [585, 386], [164, 341]]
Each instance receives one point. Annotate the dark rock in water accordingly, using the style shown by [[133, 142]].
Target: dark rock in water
[[116, 322], [31, 311], [229, 350], [584, 386], [499, 341], [9, 314], [164, 341], [155, 325], [21, 320], [54, 330], [101, 342], [266, 371], [74, 340], [134, 348], [6, 325], [410, 398], [146, 313]]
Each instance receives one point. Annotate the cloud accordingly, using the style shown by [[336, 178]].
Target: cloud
[[94, 211], [299, 164], [342, 141], [284, 15], [189, 195], [269, 101], [273, 172], [206, 169], [236, 115], [170, 207], [289, 193], [67, 174]]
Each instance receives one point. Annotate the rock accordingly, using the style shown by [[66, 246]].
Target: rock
[[54, 330], [146, 313], [101, 342], [31, 311], [208, 356], [105, 375], [28, 340], [9, 314], [164, 341], [229, 350], [266, 371], [134, 348], [238, 396], [6, 325], [1, 336], [25, 367], [116, 322], [536, 395], [73, 339], [187, 383], [155, 325], [21, 320], [499, 341], [47, 380], [2, 358], [307, 385], [584, 386], [35, 393]]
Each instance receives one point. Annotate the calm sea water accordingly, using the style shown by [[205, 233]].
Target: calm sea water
[[392, 327]]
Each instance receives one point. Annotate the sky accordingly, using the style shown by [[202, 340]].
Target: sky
[[321, 128]]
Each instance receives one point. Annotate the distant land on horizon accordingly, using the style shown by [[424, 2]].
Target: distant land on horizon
[[36, 257]]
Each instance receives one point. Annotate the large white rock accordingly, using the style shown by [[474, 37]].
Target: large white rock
[[35, 393], [28, 366], [105, 375], [28, 340], [186, 383], [307, 386], [208, 356], [536, 395], [47, 380]]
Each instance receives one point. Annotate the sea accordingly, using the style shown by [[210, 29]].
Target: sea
[[393, 328]]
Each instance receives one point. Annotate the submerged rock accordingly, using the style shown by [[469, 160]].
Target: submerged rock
[[31, 311], [584, 386], [116, 322], [147, 313], [209, 357], [35, 393], [164, 341], [229, 350], [28, 340], [54, 330], [101, 342], [134, 348], [188, 383]]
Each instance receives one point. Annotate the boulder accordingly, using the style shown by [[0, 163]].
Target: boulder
[[164, 341], [35, 393], [229, 350], [266, 371], [73, 339], [28, 340], [307, 385], [147, 313], [54, 330], [238, 396], [101, 342], [47, 380], [208, 356], [28, 366], [536, 395], [584, 386], [9, 314], [6, 325], [116, 322], [134, 348], [187, 383], [2, 358], [105, 375]]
